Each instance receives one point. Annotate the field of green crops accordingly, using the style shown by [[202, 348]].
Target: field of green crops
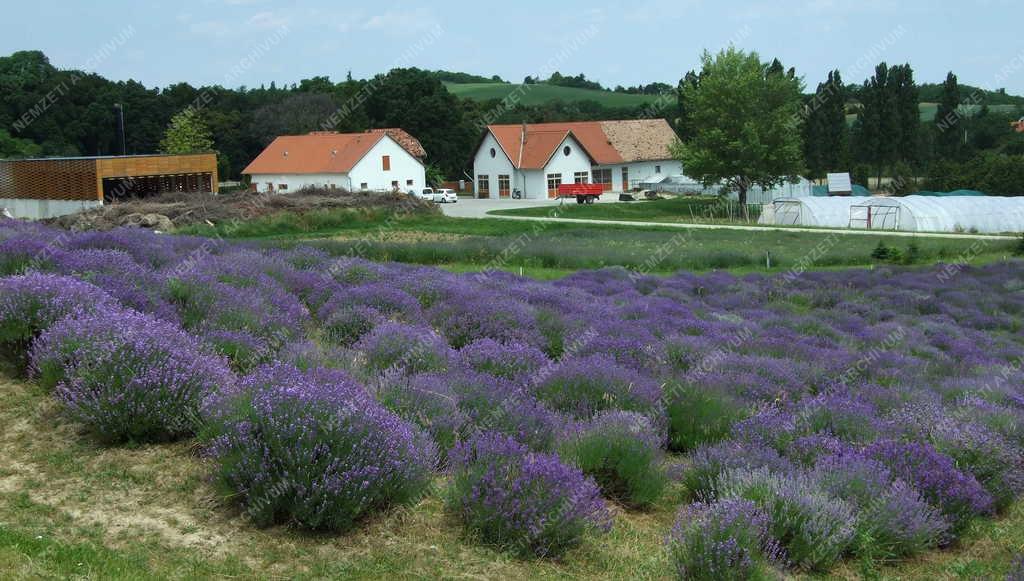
[[540, 94]]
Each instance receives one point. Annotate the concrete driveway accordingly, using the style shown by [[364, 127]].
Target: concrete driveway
[[474, 208]]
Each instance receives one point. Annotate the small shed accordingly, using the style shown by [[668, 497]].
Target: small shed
[[840, 184]]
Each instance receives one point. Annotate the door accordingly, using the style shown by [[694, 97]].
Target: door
[[625, 179], [554, 180]]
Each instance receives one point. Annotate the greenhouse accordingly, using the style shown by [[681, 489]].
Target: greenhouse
[[988, 214], [833, 212]]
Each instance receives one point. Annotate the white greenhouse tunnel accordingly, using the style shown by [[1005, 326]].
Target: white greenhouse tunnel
[[987, 215], [831, 212]]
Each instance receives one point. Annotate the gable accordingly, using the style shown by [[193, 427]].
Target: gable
[[325, 152]]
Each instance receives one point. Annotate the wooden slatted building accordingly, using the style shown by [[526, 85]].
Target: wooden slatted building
[[43, 188]]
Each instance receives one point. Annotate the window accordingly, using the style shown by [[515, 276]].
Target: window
[[504, 185], [270, 186], [657, 169], [602, 176], [394, 184], [494, 152], [408, 182], [386, 162], [362, 186], [483, 184], [554, 180], [567, 151], [581, 177], [282, 186]]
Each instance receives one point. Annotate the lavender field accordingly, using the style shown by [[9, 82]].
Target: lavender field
[[791, 424]]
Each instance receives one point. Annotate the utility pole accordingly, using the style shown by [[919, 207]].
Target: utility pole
[[120, 126]]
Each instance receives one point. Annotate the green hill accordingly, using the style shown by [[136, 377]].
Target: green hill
[[539, 94], [928, 111]]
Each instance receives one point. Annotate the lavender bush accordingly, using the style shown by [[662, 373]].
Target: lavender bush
[[345, 326], [404, 348], [525, 502], [31, 303], [426, 400], [958, 495], [128, 376], [511, 361], [585, 386], [723, 540], [892, 519], [815, 528], [699, 416], [622, 452], [314, 449]]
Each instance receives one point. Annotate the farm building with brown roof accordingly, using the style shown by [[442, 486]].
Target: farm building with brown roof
[[380, 159], [536, 158]]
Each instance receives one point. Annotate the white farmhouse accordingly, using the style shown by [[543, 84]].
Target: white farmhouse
[[379, 160], [535, 159]]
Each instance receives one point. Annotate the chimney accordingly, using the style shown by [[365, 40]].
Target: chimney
[[523, 133]]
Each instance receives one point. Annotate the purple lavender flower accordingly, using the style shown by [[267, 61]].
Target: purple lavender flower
[[405, 348], [465, 315], [703, 476], [815, 528], [31, 303], [128, 376], [959, 496], [511, 361], [585, 386], [892, 519], [313, 448], [527, 502], [726, 539]]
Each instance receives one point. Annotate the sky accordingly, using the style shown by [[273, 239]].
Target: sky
[[254, 42]]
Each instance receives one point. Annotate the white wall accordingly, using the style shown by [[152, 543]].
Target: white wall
[[492, 167], [566, 165], [40, 209], [404, 167], [368, 170], [642, 171], [535, 184], [296, 182]]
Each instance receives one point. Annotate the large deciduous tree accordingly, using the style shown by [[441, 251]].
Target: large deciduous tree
[[186, 133], [746, 119]]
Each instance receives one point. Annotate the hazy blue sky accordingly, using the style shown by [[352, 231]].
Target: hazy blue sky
[[249, 42]]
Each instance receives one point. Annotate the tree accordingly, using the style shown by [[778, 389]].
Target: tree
[[683, 125], [826, 136], [296, 115], [416, 101], [886, 130], [874, 131], [186, 133], [908, 114], [14, 147], [746, 111], [947, 120]]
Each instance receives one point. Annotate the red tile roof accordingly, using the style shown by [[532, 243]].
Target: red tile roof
[[607, 142], [325, 151]]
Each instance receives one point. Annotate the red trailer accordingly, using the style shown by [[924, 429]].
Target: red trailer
[[584, 193]]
